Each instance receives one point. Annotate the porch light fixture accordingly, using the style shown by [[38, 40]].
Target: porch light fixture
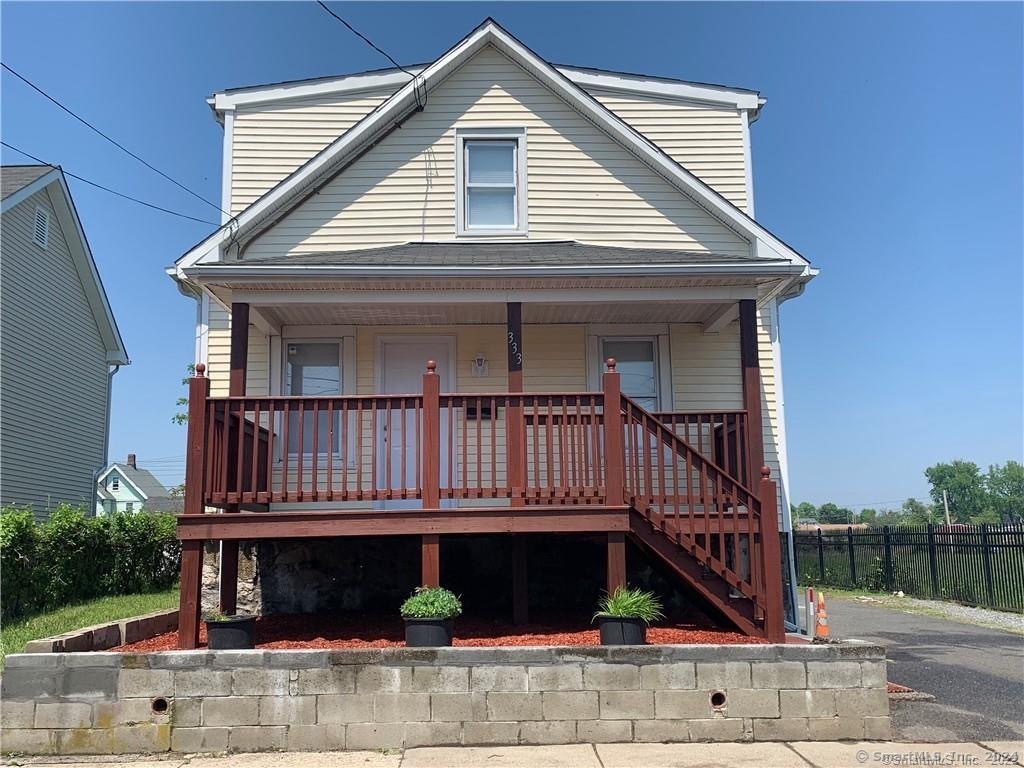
[[479, 368]]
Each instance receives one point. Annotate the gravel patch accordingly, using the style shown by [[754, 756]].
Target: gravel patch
[[965, 614]]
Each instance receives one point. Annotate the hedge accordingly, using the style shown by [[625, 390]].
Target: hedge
[[70, 557]]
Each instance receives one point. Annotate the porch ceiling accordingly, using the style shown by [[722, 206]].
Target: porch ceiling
[[486, 314]]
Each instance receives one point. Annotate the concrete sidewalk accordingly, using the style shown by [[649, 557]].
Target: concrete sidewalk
[[761, 755]]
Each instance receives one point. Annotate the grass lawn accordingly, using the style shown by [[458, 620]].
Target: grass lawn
[[15, 634]]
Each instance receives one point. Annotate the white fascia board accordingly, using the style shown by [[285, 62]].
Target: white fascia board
[[29, 189], [708, 94], [243, 272], [249, 97], [701, 295], [401, 103]]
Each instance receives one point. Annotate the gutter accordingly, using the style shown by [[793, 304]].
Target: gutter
[[242, 272], [106, 436]]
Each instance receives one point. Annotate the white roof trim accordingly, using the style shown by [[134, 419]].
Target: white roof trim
[[81, 255], [123, 476], [251, 270], [401, 104], [224, 101]]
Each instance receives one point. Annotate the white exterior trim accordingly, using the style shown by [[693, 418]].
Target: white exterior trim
[[224, 101], [747, 163], [227, 166], [403, 103], [657, 332], [518, 135], [482, 296]]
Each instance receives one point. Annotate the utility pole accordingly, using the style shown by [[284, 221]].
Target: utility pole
[[945, 503]]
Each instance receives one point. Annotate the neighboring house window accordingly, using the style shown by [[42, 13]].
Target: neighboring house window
[[115, 483], [41, 228], [636, 360], [129, 506], [312, 368], [491, 193]]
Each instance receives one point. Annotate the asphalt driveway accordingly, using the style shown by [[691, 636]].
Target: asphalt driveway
[[976, 674]]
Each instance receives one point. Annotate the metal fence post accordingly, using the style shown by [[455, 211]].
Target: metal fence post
[[986, 556], [887, 545], [821, 557], [853, 560], [933, 562]]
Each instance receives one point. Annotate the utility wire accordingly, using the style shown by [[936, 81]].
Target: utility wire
[[117, 144], [107, 189], [419, 91]]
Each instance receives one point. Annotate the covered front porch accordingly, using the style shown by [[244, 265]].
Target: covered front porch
[[480, 406]]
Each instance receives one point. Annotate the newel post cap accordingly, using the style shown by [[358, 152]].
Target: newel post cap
[[610, 362], [431, 366], [766, 474], [200, 369]]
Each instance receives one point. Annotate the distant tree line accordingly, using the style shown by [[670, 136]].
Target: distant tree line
[[976, 497]]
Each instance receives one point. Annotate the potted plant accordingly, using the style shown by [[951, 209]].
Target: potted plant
[[623, 616], [230, 633], [430, 617]]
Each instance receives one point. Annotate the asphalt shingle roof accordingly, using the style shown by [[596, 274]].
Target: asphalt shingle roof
[[567, 253], [143, 480]]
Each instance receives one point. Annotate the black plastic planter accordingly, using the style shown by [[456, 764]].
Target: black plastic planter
[[622, 631], [232, 633], [428, 633]]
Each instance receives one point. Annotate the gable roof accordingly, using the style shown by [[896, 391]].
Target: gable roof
[[20, 182], [142, 480], [405, 102]]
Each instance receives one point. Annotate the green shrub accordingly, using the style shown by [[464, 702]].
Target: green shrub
[[625, 603], [70, 557], [431, 603]]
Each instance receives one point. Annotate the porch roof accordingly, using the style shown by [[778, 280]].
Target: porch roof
[[559, 253]]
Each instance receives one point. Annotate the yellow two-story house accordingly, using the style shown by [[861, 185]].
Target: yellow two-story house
[[492, 297]]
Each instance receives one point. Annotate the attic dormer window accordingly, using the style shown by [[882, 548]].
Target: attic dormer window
[[115, 483], [491, 189], [41, 228]]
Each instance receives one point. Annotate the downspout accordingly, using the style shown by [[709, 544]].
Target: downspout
[[106, 438]]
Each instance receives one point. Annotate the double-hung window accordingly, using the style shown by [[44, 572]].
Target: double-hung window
[[492, 185]]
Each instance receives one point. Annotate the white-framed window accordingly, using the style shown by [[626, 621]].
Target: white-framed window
[[313, 368], [129, 506], [636, 360], [115, 483], [41, 228], [491, 181]]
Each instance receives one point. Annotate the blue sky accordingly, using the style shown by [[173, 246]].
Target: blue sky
[[889, 153]]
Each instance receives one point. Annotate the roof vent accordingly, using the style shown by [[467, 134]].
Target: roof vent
[[41, 231]]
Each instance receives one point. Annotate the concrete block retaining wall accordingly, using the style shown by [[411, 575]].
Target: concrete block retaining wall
[[194, 701]]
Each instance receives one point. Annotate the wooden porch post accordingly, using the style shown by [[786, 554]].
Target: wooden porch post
[[190, 584], [431, 543], [616, 561], [771, 549], [751, 388], [515, 458], [236, 388]]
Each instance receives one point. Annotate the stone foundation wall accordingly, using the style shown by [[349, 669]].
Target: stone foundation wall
[[193, 701]]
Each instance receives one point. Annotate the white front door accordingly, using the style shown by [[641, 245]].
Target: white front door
[[402, 363]]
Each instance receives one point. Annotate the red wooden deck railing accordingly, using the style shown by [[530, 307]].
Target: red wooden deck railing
[[686, 474]]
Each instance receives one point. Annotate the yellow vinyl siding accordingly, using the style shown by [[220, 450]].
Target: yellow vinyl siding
[[270, 141], [706, 140], [218, 360], [581, 184]]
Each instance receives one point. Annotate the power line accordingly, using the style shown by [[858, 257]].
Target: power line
[[365, 39], [117, 144], [107, 189]]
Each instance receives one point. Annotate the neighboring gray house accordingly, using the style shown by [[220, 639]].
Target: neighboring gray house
[[126, 488], [59, 350]]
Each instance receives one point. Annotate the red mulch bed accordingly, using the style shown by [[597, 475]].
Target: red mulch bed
[[319, 631]]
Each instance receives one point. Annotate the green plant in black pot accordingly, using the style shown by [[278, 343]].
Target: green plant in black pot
[[429, 615], [623, 616], [229, 633]]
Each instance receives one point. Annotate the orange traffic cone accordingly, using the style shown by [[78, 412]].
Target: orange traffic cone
[[821, 622]]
